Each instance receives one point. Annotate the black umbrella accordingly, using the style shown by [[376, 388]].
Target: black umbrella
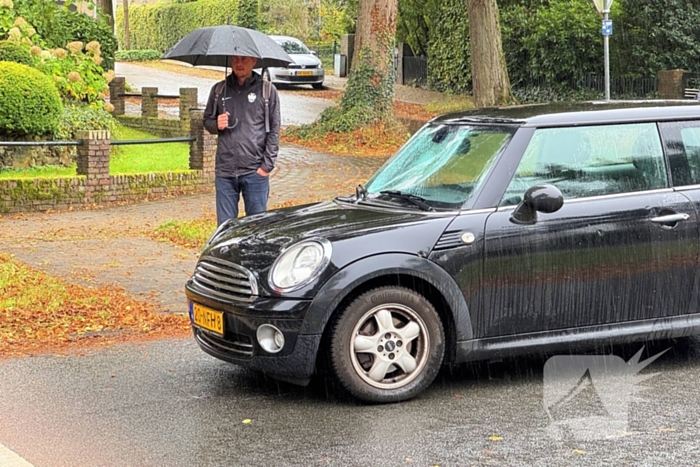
[[215, 45]]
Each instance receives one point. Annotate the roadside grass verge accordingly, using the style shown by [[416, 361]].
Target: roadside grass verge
[[40, 313]]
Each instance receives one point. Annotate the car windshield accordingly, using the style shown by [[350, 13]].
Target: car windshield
[[292, 46], [443, 164]]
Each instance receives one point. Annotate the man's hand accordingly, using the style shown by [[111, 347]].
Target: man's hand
[[262, 172], [222, 121]]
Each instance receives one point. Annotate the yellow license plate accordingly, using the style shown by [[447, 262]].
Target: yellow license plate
[[208, 319], [305, 73]]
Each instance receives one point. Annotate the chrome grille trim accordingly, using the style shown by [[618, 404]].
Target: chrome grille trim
[[225, 279], [236, 346]]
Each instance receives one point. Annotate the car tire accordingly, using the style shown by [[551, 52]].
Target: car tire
[[266, 74], [387, 345], [317, 85]]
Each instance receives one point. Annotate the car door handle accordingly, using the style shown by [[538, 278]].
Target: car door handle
[[670, 218]]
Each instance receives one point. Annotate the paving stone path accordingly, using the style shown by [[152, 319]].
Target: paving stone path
[[112, 246]]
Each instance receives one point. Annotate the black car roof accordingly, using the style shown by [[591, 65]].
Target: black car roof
[[579, 113]]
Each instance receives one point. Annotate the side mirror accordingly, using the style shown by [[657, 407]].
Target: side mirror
[[540, 198], [313, 52]]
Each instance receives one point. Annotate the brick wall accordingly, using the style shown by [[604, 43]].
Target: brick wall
[[93, 185], [670, 84]]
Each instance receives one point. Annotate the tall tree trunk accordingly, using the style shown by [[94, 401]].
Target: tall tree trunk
[[107, 9], [490, 83], [127, 37], [371, 81]]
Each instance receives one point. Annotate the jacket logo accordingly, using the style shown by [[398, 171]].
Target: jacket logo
[[251, 97]]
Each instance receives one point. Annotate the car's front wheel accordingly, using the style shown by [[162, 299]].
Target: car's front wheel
[[317, 85], [387, 345]]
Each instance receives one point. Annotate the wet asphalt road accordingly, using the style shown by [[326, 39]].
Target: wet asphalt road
[[169, 404], [295, 108]]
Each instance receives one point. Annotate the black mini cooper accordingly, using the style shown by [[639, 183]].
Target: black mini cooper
[[490, 233]]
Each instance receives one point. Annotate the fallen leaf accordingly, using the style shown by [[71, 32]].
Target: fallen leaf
[[666, 429], [496, 438], [458, 396], [579, 451], [247, 421]]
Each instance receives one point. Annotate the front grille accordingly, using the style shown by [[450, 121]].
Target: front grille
[[301, 67], [224, 279], [299, 79], [236, 343]]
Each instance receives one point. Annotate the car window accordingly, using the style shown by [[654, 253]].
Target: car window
[[591, 161], [682, 141], [293, 46]]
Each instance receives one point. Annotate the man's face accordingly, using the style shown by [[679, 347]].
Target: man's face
[[243, 66]]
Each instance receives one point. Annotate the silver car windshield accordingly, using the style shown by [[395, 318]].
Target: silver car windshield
[[294, 47], [443, 164]]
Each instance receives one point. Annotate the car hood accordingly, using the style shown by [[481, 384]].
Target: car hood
[[305, 59], [355, 231]]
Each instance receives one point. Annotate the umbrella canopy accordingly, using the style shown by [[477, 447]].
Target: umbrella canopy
[[215, 45]]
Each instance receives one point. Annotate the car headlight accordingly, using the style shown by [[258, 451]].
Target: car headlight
[[300, 264]]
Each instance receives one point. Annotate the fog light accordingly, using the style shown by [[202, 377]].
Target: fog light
[[270, 338]]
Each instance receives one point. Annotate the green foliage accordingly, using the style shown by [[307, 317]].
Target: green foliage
[[80, 27], [337, 18], [14, 52], [161, 26], [248, 14], [40, 14], [655, 35], [137, 55], [288, 18], [29, 101], [76, 117], [449, 67], [76, 71]]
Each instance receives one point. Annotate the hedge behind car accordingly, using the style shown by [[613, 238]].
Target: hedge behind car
[[29, 101]]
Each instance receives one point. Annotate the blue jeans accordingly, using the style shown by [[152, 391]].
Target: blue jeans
[[255, 190]]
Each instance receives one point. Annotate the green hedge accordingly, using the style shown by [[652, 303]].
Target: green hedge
[[159, 27], [13, 52], [138, 55], [81, 27], [29, 101]]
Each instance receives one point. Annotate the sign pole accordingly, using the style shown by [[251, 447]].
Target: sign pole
[[606, 53]]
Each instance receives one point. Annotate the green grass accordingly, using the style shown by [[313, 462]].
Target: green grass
[[129, 159], [48, 171], [146, 158]]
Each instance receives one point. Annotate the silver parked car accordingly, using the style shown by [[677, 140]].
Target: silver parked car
[[306, 69]]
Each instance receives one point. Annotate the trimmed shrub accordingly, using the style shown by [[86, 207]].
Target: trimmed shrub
[[137, 55], [81, 27], [13, 52], [29, 101], [83, 117]]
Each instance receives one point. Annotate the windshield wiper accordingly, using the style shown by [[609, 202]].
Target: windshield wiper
[[360, 192], [413, 199]]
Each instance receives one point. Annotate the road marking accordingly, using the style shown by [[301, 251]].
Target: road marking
[[9, 458]]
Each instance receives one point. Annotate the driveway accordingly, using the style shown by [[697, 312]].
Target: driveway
[[296, 109]]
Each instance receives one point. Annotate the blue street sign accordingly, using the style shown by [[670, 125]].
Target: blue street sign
[[607, 27]]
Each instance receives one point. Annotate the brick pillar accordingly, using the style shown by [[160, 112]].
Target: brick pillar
[[670, 84], [203, 148], [188, 99], [117, 88], [149, 102], [93, 159]]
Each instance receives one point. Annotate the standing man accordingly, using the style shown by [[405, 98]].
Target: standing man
[[246, 151]]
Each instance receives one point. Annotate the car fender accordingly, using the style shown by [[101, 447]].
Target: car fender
[[347, 279]]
